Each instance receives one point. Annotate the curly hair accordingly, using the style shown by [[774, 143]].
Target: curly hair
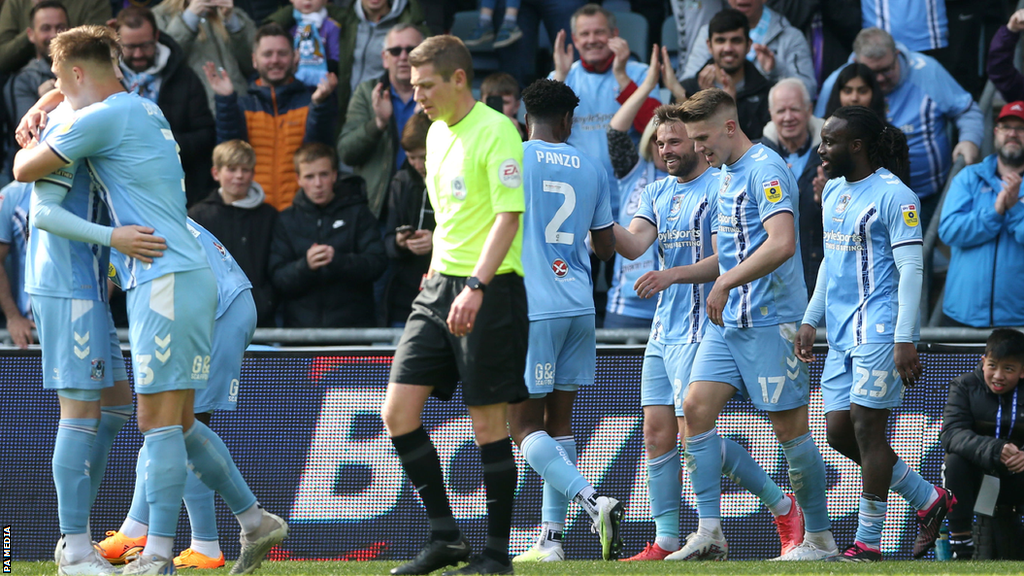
[[549, 100]]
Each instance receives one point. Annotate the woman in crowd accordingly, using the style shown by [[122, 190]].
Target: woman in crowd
[[856, 86]]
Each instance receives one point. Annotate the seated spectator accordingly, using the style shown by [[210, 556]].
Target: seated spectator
[[154, 68], [410, 227], [922, 97], [601, 73], [49, 18], [14, 232], [364, 24], [776, 49], [508, 29], [277, 116], [856, 86], [983, 224], [326, 253], [16, 50], [377, 114], [1001, 68], [982, 434], [634, 170], [317, 37], [729, 70], [503, 86], [236, 213], [211, 33], [795, 134]]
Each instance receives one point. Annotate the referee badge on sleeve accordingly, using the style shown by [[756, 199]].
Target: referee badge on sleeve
[[772, 191], [510, 174], [909, 214]]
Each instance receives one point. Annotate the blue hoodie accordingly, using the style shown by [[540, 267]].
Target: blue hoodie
[[982, 242]]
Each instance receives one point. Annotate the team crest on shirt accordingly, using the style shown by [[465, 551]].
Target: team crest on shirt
[[909, 214], [843, 203], [677, 204], [98, 369], [772, 191], [459, 188], [559, 267], [726, 178]]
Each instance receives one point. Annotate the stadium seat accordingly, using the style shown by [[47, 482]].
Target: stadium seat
[[633, 29], [485, 60], [670, 39]]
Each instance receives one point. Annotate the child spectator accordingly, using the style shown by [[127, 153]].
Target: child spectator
[[504, 86], [317, 39], [410, 224], [509, 32], [236, 213], [982, 434]]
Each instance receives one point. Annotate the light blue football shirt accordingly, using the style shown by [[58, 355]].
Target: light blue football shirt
[[58, 267], [753, 189], [231, 281], [14, 230], [863, 222], [130, 153], [622, 298], [682, 215], [566, 197]]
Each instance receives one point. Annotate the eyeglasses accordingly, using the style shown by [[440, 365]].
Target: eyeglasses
[[145, 46], [1008, 128], [888, 69], [396, 51]]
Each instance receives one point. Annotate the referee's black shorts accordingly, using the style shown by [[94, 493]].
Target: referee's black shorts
[[490, 361]]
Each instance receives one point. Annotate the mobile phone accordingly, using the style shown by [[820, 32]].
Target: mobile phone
[[496, 102], [405, 228], [385, 81]]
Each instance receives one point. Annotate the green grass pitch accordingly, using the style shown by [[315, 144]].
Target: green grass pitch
[[595, 568]]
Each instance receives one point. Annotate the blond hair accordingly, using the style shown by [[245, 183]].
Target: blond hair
[[446, 53], [705, 104], [89, 43], [234, 153]]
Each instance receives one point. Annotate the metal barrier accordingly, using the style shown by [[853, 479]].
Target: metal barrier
[[388, 337]]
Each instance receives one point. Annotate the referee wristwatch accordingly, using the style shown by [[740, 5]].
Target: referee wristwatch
[[474, 283]]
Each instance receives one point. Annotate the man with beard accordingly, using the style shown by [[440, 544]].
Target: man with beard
[[868, 290], [676, 213], [48, 19], [729, 69], [983, 224], [154, 67], [278, 115]]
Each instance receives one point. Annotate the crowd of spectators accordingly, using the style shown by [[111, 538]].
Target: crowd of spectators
[[257, 92]]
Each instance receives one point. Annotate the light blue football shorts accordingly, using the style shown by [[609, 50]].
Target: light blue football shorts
[[562, 355], [666, 374], [232, 333], [864, 375]]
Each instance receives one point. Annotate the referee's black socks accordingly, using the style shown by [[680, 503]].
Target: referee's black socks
[[500, 477], [423, 467]]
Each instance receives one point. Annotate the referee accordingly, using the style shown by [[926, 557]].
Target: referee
[[469, 322]]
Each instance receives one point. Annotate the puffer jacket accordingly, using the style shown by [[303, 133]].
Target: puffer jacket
[[361, 41], [201, 44], [276, 121], [969, 422], [340, 294], [981, 243]]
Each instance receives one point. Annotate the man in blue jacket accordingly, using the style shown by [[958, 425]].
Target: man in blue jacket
[[983, 223]]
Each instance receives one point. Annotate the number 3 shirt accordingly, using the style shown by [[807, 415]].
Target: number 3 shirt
[[566, 197]]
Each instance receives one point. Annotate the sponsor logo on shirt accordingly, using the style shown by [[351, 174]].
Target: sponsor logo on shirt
[[772, 191], [559, 267], [909, 214], [510, 174]]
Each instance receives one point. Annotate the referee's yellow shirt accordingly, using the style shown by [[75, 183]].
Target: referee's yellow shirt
[[474, 171]]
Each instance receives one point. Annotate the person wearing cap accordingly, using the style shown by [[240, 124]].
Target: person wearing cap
[[983, 224]]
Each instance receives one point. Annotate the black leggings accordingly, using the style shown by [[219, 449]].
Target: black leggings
[[963, 478]]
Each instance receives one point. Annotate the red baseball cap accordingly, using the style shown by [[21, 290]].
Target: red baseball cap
[[1015, 109]]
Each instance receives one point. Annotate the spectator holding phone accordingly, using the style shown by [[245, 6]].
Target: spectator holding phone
[[409, 239], [377, 114]]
